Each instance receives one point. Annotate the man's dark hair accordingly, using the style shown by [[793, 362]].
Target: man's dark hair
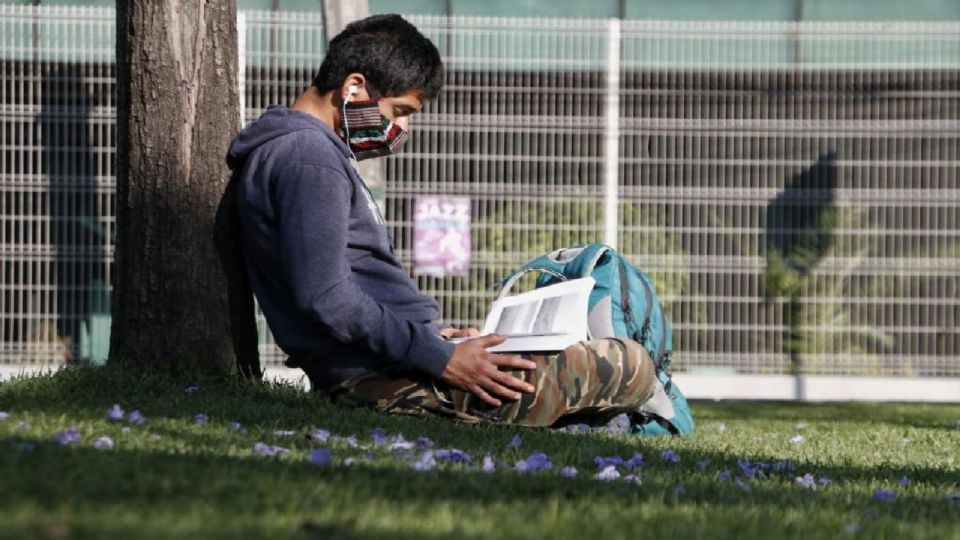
[[390, 52]]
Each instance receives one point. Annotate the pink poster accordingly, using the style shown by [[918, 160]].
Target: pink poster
[[441, 236]]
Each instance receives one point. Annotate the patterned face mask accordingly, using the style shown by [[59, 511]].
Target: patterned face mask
[[369, 133]]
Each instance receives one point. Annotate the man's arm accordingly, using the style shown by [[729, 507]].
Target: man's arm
[[314, 213]]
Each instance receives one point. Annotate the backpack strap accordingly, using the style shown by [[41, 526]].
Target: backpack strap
[[507, 283]]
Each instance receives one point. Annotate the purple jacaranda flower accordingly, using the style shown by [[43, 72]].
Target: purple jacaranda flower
[[488, 464], [399, 443], [619, 425], [904, 481], [851, 528], [538, 461], [67, 436], [425, 462], [284, 433], [608, 473], [23, 424], [201, 419], [604, 462], [632, 479], [104, 442], [784, 466], [136, 418], [321, 457], [378, 435], [703, 464], [824, 481], [724, 476], [515, 442], [115, 413], [424, 442], [4, 415], [742, 484], [635, 462], [350, 441], [807, 481], [953, 497], [576, 428], [568, 472], [236, 426], [320, 435], [669, 456], [746, 468], [23, 445], [884, 495], [192, 389], [797, 439], [126, 430], [269, 450], [452, 455]]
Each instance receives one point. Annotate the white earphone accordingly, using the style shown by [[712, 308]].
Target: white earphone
[[351, 90]]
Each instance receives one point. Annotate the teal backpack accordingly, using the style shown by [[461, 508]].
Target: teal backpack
[[623, 304]]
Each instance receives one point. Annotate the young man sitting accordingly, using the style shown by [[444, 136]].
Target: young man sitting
[[323, 268]]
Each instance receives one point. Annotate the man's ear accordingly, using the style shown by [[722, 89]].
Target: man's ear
[[354, 88]]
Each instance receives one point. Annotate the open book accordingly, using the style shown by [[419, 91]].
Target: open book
[[546, 319]]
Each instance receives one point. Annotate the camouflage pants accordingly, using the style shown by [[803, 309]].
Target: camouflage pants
[[588, 382]]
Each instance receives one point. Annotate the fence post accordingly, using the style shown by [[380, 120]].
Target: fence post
[[242, 64], [612, 136]]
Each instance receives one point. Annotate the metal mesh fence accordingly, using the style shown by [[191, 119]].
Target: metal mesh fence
[[792, 187]]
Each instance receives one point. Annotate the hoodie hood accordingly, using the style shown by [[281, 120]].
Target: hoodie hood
[[276, 121]]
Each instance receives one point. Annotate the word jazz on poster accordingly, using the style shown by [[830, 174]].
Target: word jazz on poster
[[441, 236]]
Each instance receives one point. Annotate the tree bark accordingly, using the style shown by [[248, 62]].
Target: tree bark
[[178, 110]]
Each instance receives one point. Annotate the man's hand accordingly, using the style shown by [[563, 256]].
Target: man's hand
[[451, 332], [477, 371]]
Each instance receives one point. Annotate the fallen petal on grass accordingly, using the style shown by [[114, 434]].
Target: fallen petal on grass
[[4, 415], [201, 419], [136, 418], [115, 413], [67, 436], [269, 450], [608, 473], [669, 456], [806, 481], [884, 495], [569, 472], [321, 457], [104, 443]]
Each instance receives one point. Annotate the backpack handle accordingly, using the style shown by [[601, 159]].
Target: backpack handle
[[510, 280]]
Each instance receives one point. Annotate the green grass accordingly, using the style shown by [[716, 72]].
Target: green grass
[[173, 478]]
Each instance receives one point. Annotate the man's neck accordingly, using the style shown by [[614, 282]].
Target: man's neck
[[319, 106]]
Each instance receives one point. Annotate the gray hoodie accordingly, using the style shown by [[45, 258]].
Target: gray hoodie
[[320, 260]]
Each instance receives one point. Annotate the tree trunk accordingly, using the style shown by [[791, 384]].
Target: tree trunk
[[178, 109]]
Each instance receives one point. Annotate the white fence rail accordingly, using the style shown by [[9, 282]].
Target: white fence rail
[[792, 187]]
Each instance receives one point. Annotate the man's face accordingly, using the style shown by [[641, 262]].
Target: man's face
[[400, 108]]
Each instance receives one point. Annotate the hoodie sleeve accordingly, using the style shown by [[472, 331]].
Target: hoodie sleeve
[[314, 213]]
